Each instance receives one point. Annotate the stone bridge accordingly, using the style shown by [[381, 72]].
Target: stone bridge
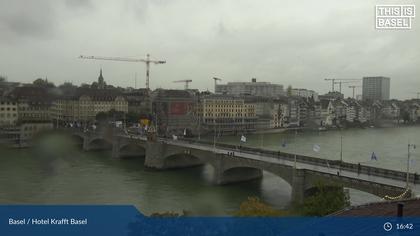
[[229, 169]]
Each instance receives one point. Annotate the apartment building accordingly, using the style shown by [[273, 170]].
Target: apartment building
[[227, 114]]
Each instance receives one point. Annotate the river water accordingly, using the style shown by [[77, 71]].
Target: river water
[[56, 171]]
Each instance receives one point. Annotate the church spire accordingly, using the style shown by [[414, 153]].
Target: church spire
[[101, 82]]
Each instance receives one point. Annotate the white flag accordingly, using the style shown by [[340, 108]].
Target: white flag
[[174, 137], [185, 132], [316, 148], [243, 139], [412, 162]]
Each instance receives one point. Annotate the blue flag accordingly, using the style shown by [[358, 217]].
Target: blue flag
[[373, 157], [284, 144]]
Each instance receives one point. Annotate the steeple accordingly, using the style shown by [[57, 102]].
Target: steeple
[[101, 82]]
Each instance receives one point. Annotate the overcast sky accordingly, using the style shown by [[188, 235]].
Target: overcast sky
[[296, 43]]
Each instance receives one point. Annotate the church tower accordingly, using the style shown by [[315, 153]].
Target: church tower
[[101, 81]]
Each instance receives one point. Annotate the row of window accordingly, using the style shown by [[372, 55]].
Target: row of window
[[7, 103], [8, 109], [8, 115]]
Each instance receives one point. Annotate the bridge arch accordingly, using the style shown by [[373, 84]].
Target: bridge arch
[[99, 143], [132, 149], [77, 139], [182, 160], [248, 168]]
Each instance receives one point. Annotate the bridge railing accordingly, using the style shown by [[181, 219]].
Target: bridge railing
[[353, 167]]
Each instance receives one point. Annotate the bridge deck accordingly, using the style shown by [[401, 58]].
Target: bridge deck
[[321, 167], [332, 170]]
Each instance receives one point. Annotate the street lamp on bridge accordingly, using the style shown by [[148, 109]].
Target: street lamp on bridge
[[410, 146]]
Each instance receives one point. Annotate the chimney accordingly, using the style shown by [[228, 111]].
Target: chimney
[[400, 208], [254, 80]]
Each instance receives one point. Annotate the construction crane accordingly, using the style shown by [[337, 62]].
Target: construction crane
[[147, 61], [354, 87], [186, 81], [333, 82], [343, 82], [215, 82]]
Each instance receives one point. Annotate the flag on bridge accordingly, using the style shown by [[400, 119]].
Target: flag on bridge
[[373, 157], [243, 139], [284, 144], [316, 148]]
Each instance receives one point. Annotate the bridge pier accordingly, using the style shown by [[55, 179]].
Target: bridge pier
[[298, 186], [116, 148]]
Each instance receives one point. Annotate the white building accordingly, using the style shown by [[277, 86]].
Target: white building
[[264, 89], [305, 93], [8, 112]]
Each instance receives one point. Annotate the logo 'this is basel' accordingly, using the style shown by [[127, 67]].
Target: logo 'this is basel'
[[394, 16]]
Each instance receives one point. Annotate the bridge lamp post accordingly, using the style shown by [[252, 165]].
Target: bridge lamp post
[[341, 150], [413, 146]]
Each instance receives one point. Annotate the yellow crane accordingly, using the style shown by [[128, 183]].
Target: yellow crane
[[147, 61], [186, 81]]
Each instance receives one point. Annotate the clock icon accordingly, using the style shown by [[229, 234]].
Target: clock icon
[[387, 226]]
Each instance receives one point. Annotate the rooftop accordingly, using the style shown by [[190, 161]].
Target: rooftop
[[385, 208]]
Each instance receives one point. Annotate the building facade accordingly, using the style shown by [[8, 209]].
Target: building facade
[[8, 112], [173, 112], [305, 93], [264, 89], [86, 104], [376, 88], [226, 114]]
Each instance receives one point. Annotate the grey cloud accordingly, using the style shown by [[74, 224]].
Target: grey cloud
[[19, 18], [84, 4], [287, 42]]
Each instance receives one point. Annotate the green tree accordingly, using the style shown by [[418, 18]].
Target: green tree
[[254, 207], [326, 200], [43, 83], [3, 79], [132, 117]]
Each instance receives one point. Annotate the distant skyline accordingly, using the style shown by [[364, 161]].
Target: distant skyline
[[296, 43]]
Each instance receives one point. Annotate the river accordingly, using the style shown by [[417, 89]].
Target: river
[[56, 171]]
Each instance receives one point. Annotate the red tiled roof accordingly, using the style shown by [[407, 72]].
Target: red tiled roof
[[385, 208]]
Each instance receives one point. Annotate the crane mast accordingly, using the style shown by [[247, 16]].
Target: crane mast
[[354, 87], [339, 81]]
